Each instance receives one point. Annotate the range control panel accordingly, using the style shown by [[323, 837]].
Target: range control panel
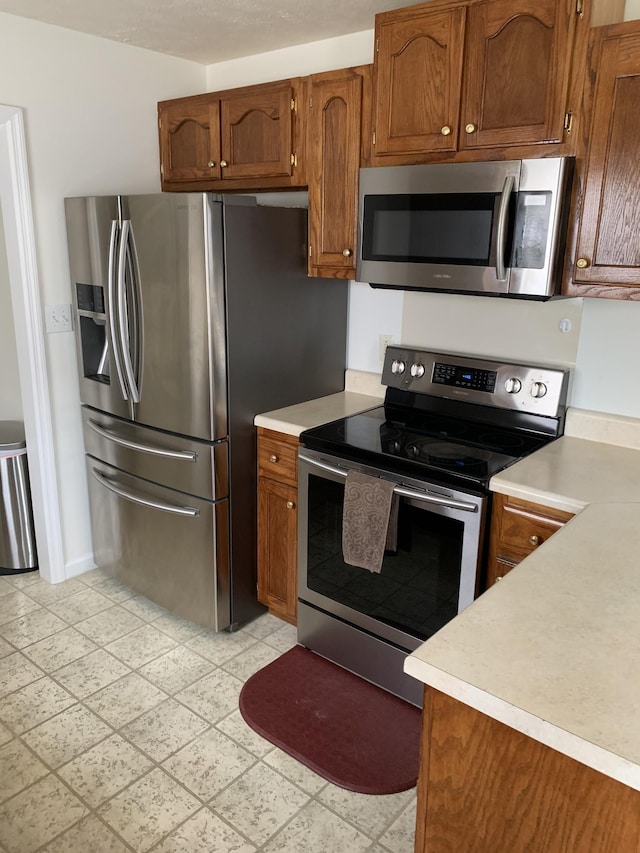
[[540, 390]]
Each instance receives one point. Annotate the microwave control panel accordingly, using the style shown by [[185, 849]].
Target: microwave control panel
[[531, 230]]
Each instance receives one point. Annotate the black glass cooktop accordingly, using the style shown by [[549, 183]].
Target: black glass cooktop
[[448, 446]]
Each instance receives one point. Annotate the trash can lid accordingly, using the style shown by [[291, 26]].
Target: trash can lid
[[12, 435]]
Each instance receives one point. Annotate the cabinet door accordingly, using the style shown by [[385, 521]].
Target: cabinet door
[[257, 132], [277, 547], [608, 250], [189, 140], [418, 69], [516, 72], [333, 156]]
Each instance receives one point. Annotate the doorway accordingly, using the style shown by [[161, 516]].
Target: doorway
[[17, 220]]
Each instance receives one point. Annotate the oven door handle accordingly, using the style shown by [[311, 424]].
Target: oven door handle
[[398, 490]]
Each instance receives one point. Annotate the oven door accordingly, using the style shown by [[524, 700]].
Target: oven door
[[366, 621]]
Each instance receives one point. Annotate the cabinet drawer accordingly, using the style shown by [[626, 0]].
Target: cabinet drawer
[[278, 458], [522, 534]]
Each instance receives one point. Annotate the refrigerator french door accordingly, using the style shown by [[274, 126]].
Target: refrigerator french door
[[194, 313]]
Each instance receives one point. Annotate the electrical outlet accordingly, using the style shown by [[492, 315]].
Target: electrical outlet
[[385, 341], [58, 318]]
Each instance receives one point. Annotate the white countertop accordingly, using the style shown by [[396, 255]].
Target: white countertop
[[293, 420], [553, 650], [362, 391]]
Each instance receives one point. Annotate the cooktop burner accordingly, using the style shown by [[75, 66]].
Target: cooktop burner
[[456, 417]]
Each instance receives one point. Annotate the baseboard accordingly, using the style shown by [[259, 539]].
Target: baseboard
[[79, 566]]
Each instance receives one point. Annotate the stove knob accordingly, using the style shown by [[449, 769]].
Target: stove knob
[[538, 389], [417, 370], [512, 385], [398, 366]]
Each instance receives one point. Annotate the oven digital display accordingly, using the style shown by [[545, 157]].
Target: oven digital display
[[464, 377]]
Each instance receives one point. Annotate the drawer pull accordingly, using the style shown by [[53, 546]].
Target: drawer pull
[[273, 458], [290, 505], [534, 540]]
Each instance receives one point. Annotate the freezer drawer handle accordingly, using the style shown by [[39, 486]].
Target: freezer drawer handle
[[186, 455], [399, 490], [189, 511]]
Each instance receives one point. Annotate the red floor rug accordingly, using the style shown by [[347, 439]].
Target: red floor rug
[[347, 730]]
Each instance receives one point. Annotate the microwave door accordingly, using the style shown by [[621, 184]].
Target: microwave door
[[452, 242]]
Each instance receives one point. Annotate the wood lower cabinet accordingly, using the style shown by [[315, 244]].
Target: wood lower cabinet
[[486, 788], [338, 102], [246, 138], [468, 80], [518, 527], [605, 259], [278, 523]]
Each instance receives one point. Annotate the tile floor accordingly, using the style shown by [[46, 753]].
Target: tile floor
[[120, 731]]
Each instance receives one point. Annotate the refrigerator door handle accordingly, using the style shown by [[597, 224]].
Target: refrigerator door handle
[[186, 455], [112, 286], [138, 326], [123, 310], [188, 511]]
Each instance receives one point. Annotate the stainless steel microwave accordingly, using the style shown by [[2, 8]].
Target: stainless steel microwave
[[495, 228]]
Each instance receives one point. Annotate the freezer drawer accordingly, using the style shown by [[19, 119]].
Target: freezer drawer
[[191, 466], [170, 547]]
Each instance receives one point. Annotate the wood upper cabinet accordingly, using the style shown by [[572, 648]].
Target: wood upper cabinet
[[605, 259], [466, 80], [518, 527], [241, 139], [518, 57], [278, 523], [418, 70], [334, 140], [189, 130]]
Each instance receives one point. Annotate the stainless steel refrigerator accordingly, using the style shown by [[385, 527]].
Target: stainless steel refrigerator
[[193, 313]]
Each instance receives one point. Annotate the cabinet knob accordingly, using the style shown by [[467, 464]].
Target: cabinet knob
[[290, 505], [534, 540], [470, 128], [273, 458], [346, 253], [446, 130], [211, 164], [582, 263], [223, 164]]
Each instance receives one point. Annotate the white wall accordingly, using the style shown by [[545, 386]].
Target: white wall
[[90, 117], [10, 397], [327, 55], [609, 358]]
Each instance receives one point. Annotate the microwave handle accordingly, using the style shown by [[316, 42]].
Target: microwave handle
[[402, 491], [501, 231]]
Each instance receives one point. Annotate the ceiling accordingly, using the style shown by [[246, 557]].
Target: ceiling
[[207, 31]]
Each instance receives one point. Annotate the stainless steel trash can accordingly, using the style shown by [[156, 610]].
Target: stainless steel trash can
[[17, 539]]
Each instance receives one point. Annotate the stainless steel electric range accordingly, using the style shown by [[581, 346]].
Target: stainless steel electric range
[[447, 425]]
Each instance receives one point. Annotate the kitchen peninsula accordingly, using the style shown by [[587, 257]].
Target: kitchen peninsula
[[531, 737]]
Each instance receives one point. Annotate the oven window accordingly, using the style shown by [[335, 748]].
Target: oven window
[[418, 587], [445, 228]]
